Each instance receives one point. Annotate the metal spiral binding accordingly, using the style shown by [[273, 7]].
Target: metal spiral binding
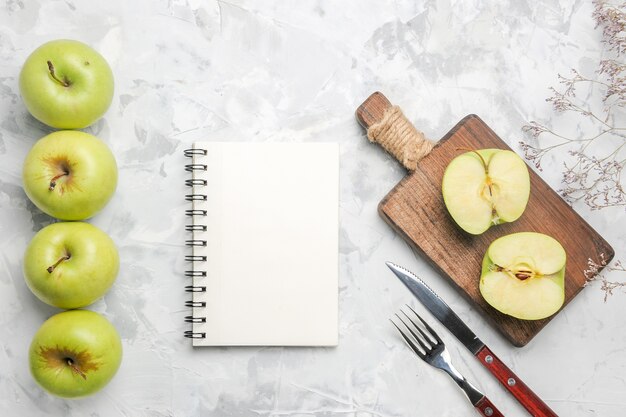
[[192, 319], [195, 304], [195, 227], [195, 167], [195, 288], [195, 258], [195, 181], [194, 272], [189, 153], [194, 213], [195, 197], [194, 335], [195, 242]]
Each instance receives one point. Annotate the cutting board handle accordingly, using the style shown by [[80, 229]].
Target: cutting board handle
[[387, 126]]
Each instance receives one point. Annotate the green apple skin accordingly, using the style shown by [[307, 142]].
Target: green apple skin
[[70, 264], [537, 258], [484, 188], [80, 94], [83, 169], [75, 353]]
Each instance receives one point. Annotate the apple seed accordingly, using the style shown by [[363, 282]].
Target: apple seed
[[520, 274]]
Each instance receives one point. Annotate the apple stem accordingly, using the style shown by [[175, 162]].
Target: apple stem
[[64, 83], [53, 266], [71, 364], [53, 181]]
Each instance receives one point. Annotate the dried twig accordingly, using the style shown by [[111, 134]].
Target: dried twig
[[592, 174], [595, 272], [593, 163]]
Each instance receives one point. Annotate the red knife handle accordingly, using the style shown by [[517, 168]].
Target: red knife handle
[[514, 385], [486, 408]]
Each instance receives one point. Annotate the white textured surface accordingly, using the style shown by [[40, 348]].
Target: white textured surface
[[191, 70]]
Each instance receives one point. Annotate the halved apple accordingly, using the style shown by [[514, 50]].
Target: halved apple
[[523, 275], [484, 188]]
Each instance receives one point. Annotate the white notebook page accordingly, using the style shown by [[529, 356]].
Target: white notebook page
[[272, 244]]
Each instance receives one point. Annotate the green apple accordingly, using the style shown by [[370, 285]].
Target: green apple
[[70, 264], [66, 84], [70, 175], [75, 353], [523, 275], [484, 188]]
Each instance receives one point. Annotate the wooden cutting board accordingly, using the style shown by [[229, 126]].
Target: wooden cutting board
[[415, 209]]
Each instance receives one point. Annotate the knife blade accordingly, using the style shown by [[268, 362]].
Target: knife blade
[[442, 312]]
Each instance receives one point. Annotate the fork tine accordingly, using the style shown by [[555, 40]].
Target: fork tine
[[428, 339], [408, 340], [430, 330], [425, 348]]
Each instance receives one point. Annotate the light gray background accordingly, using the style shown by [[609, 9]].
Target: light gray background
[[256, 71]]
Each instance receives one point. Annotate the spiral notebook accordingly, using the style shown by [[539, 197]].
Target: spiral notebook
[[263, 234]]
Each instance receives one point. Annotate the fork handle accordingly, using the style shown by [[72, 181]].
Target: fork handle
[[486, 408], [531, 402]]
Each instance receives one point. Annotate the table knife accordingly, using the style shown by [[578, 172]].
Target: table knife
[[442, 312]]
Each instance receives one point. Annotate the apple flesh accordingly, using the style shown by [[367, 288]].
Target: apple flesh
[[523, 275], [70, 264], [70, 175], [75, 353], [484, 188], [66, 84]]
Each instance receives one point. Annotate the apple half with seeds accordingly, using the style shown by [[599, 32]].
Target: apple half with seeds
[[523, 275], [485, 187]]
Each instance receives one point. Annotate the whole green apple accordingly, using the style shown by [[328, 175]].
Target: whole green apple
[[75, 353], [66, 84], [70, 264], [70, 175]]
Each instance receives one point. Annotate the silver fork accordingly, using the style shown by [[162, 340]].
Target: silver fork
[[431, 349]]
